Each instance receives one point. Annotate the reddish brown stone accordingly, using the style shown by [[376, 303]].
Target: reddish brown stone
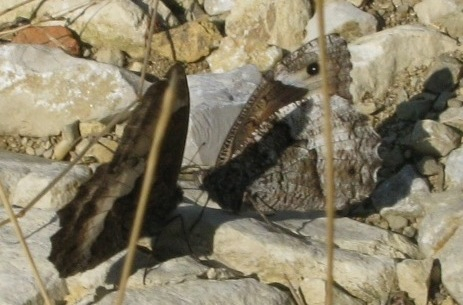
[[53, 36]]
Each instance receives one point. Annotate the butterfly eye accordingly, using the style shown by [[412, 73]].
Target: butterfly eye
[[313, 69]]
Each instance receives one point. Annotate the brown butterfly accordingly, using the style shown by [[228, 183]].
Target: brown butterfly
[[273, 156], [96, 224]]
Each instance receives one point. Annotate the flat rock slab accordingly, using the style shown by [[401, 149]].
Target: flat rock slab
[[24, 176], [17, 284], [43, 89]]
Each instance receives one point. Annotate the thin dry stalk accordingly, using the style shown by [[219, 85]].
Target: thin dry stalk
[[329, 166], [43, 19], [22, 241], [153, 159], [93, 141], [15, 7], [159, 132], [296, 295], [148, 46]]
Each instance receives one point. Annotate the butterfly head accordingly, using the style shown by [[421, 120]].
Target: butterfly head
[[301, 68]]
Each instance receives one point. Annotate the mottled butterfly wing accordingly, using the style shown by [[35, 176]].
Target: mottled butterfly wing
[[294, 77], [96, 224], [279, 164], [296, 181]]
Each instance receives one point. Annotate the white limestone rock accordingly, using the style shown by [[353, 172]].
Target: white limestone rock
[[441, 236], [414, 277], [452, 117], [99, 24], [47, 89], [216, 100], [256, 30], [454, 169], [396, 195], [216, 7], [377, 58], [433, 138], [25, 176], [17, 284], [207, 292], [343, 18]]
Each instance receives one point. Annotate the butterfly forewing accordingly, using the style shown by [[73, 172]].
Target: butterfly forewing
[[96, 223]]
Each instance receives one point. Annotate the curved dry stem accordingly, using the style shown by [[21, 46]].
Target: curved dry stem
[[24, 246]]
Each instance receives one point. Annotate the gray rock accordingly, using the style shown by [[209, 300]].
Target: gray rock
[[451, 24], [442, 215], [256, 30], [313, 288], [91, 128], [343, 18], [102, 152], [396, 223], [428, 166], [18, 284], [356, 2], [455, 102], [394, 196], [233, 53], [454, 169], [110, 56], [452, 117], [392, 158], [48, 89], [450, 258], [25, 176], [69, 136], [430, 10], [274, 255], [414, 278], [216, 7], [173, 271], [269, 22], [417, 108], [443, 74], [216, 100], [441, 236], [354, 236], [445, 15], [442, 100], [208, 292], [99, 24], [188, 42], [377, 58], [433, 138]]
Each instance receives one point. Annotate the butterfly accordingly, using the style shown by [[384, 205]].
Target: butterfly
[[273, 156], [96, 224]]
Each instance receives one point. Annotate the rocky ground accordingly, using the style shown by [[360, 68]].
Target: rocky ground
[[403, 245]]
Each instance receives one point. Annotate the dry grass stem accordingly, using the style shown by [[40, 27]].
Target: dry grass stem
[[329, 166], [153, 159], [159, 132], [22, 241]]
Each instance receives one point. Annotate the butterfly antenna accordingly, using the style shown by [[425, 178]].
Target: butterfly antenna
[[201, 213]]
